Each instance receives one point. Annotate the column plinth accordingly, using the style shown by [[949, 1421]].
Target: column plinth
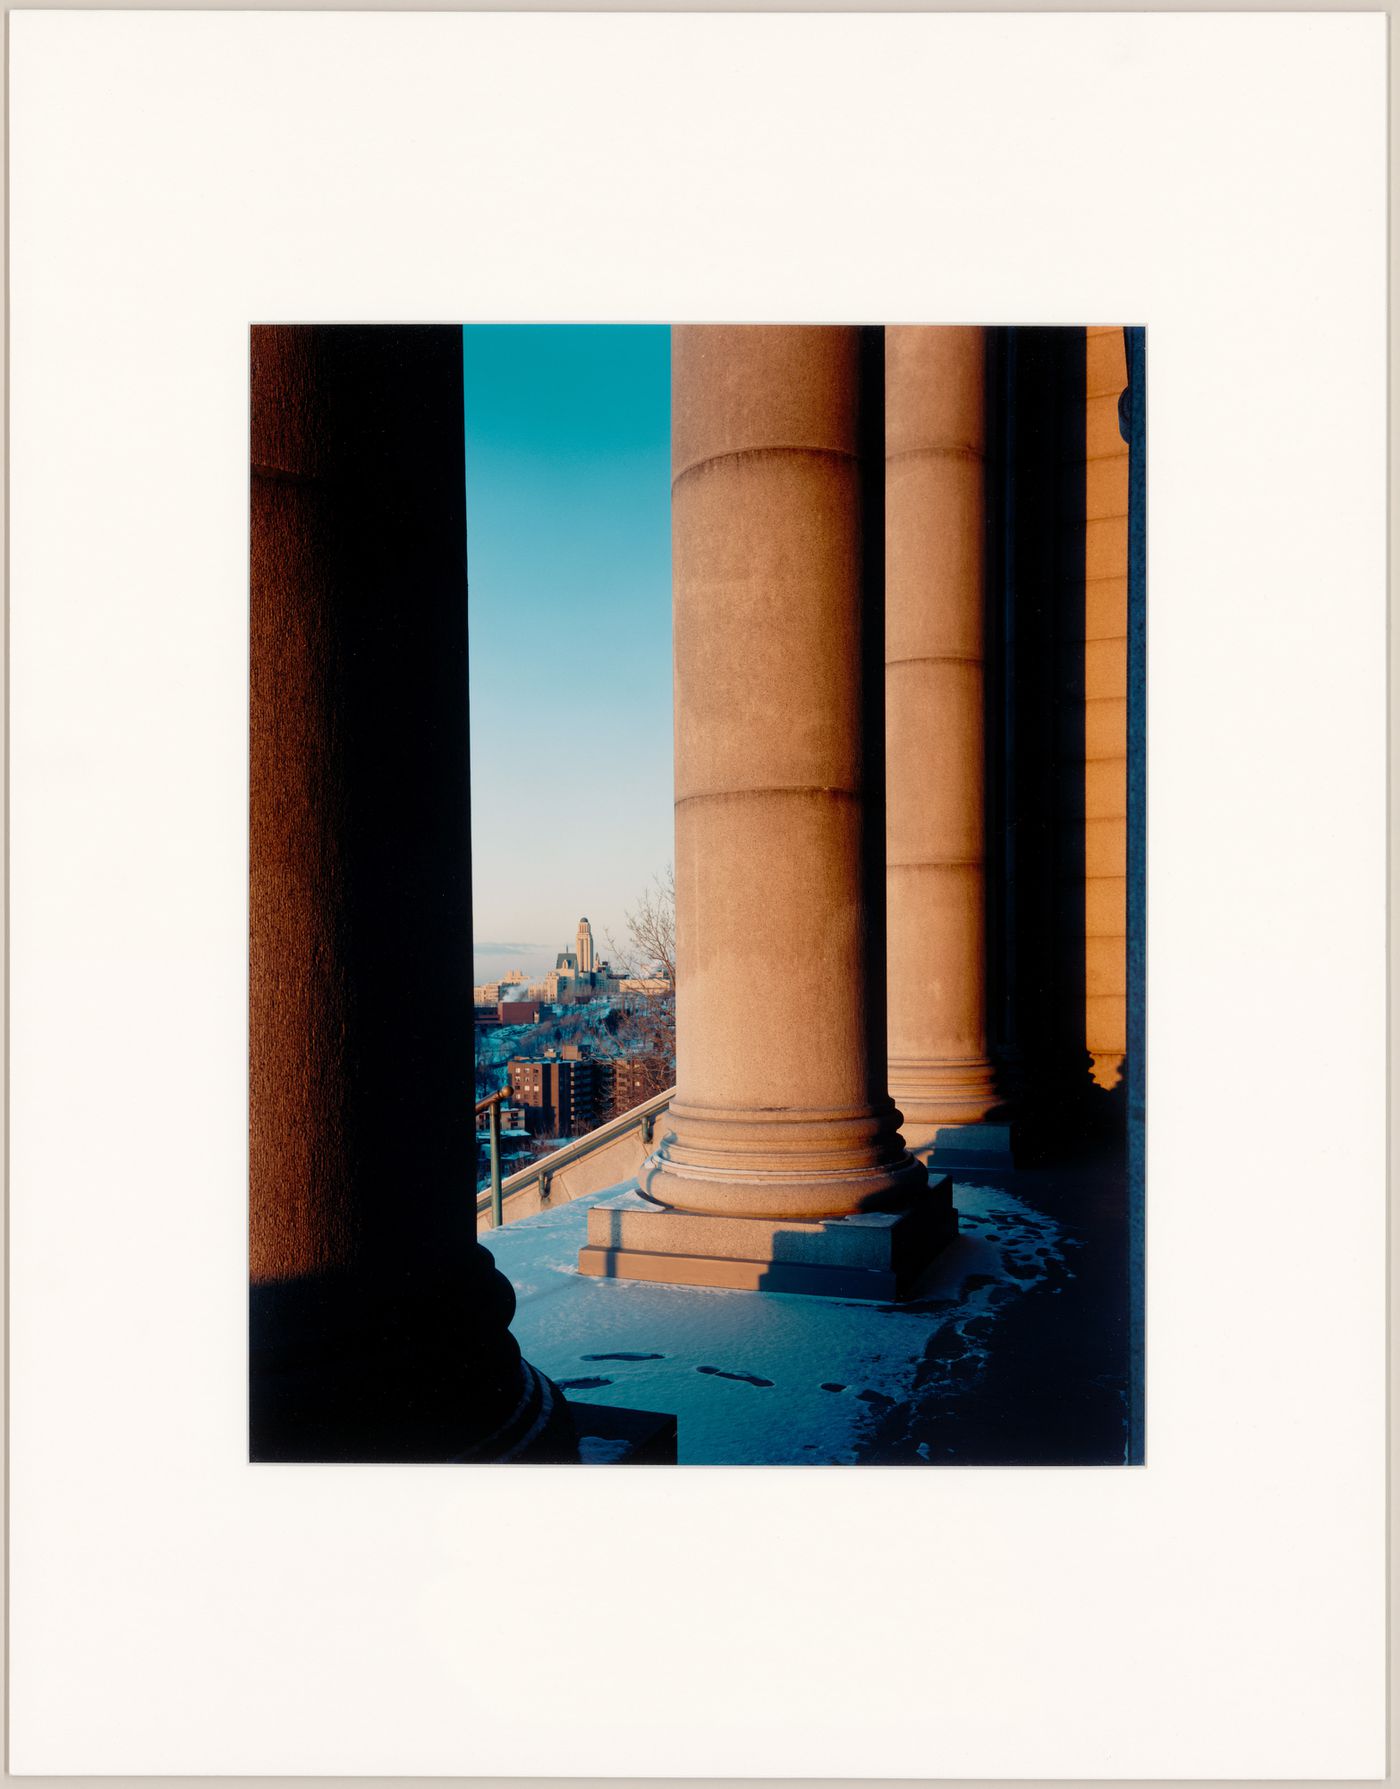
[[781, 1110], [940, 1073]]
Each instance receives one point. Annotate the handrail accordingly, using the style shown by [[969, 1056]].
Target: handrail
[[642, 1118], [491, 1105]]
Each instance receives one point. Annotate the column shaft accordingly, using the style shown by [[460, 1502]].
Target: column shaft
[[934, 676], [781, 1108], [1105, 707]]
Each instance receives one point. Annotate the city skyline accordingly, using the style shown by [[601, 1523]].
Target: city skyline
[[589, 956], [569, 602], [537, 957]]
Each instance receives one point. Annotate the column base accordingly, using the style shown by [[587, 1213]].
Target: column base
[[878, 1255], [797, 1165], [1107, 1071], [351, 1369], [930, 1095]]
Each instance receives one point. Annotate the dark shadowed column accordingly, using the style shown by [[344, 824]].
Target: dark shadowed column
[[782, 1117], [1135, 430], [379, 1326], [1037, 860]]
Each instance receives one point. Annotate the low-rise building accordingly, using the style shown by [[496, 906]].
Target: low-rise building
[[644, 984], [518, 1012], [624, 1082], [558, 1093]]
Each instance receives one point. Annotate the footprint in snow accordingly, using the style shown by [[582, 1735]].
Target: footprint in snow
[[621, 1356]]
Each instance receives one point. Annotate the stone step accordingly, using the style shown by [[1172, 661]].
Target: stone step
[[612, 1435]]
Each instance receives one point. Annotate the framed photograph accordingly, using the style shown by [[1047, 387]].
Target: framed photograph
[[335, 705]]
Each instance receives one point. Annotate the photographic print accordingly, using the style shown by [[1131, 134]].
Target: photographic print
[[696, 894], [592, 912]]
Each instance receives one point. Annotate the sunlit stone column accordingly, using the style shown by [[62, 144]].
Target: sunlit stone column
[[940, 1075], [1105, 707], [782, 1120], [379, 1327]]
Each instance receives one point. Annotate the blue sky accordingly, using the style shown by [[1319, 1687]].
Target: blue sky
[[569, 565]]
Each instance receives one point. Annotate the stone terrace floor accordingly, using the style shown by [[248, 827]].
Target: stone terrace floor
[[1012, 1352]]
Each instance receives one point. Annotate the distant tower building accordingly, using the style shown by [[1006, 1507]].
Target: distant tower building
[[585, 948]]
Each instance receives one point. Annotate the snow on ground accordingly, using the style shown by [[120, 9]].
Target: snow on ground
[[767, 1378], [495, 1046]]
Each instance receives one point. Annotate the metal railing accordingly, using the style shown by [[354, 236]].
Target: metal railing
[[491, 1105], [639, 1118]]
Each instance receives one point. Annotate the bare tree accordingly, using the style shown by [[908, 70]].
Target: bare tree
[[645, 1030], [650, 951], [644, 1038]]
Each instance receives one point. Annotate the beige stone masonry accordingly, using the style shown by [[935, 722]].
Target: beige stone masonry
[[781, 1109], [940, 1075], [1105, 712], [870, 1254]]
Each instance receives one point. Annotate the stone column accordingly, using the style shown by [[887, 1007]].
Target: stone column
[[1038, 711], [1105, 707], [379, 1327], [940, 1074], [782, 1121]]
